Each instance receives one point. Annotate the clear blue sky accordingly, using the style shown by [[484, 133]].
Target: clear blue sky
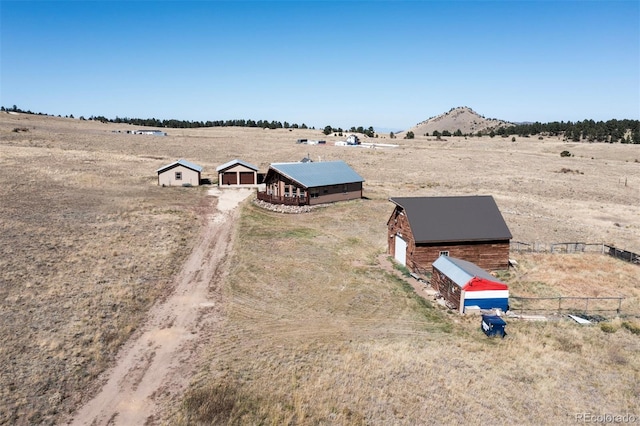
[[387, 64]]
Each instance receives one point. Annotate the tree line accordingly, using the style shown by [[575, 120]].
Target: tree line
[[611, 131], [177, 124], [360, 129]]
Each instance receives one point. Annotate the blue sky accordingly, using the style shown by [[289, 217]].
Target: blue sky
[[387, 64]]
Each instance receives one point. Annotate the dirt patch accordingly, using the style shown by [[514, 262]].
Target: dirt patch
[[155, 364]]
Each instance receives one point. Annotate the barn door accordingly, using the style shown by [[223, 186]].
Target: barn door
[[401, 251]]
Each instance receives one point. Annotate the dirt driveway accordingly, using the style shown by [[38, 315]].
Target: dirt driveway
[[154, 365]]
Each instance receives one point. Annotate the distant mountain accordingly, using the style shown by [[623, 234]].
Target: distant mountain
[[461, 118]]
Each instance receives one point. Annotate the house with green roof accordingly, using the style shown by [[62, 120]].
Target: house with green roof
[[311, 183]]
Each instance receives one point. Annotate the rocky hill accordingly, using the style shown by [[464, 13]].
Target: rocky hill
[[461, 118]]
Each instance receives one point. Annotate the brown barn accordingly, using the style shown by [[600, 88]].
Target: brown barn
[[311, 183], [237, 172], [471, 228]]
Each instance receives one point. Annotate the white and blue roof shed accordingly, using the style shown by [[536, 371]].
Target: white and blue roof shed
[[464, 284]]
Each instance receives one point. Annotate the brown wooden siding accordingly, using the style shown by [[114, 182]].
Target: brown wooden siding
[[333, 193], [274, 199], [399, 224], [279, 188], [449, 290], [488, 255]]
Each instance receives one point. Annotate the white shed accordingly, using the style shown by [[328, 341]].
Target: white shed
[[179, 173]]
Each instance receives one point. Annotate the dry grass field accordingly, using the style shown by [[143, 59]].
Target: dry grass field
[[315, 329]]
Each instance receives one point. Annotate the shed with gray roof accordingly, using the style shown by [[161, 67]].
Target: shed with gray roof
[[179, 173], [311, 183], [471, 228]]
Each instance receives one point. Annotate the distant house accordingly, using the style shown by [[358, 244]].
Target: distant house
[[353, 140], [310, 183], [179, 173], [463, 285], [237, 172], [149, 132], [421, 229]]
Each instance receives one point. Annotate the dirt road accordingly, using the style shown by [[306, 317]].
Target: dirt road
[[155, 362]]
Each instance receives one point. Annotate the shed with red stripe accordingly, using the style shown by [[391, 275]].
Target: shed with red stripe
[[465, 284]]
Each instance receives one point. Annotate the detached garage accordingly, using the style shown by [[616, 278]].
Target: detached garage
[[463, 284], [237, 172]]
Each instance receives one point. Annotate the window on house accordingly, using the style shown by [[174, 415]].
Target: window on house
[[444, 253], [344, 189], [178, 175], [314, 193]]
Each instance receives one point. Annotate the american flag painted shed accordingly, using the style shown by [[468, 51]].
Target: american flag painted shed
[[464, 284]]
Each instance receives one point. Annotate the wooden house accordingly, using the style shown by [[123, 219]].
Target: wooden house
[[471, 228], [179, 173], [311, 183], [237, 172], [464, 285]]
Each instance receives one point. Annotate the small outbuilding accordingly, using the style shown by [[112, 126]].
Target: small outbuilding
[[179, 173], [421, 229], [237, 172], [463, 284]]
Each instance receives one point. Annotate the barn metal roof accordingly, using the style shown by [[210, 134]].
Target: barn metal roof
[[181, 162], [316, 174], [454, 219], [233, 163], [460, 271]]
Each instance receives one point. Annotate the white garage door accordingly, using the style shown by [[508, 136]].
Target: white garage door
[[401, 251]]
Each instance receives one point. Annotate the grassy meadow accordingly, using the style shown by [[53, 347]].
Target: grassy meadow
[[315, 330], [317, 333]]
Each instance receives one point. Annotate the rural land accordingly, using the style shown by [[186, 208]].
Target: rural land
[[125, 302]]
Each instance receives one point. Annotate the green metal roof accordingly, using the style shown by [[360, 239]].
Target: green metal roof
[[316, 174]]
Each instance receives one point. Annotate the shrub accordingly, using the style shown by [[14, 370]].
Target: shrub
[[632, 327], [566, 154], [608, 327]]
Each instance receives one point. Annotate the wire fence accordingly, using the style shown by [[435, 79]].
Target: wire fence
[[588, 306], [576, 247]]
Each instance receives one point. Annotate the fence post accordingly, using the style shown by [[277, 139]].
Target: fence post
[[586, 308], [560, 305]]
